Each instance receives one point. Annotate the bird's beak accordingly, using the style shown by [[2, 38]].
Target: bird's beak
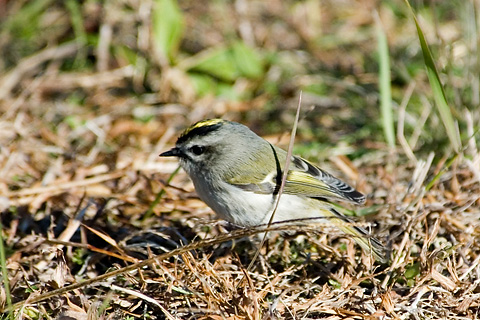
[[174, 152]]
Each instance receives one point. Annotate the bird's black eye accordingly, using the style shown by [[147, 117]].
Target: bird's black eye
[[198, 150]]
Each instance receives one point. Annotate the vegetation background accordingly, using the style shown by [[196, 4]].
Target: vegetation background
[[91, 92]]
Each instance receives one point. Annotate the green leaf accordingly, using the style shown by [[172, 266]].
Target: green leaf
[[217, 62], [203, 83], [228, 92], [437, 88], [168, 26], [334, 283], [247, 60], [226, 63], [412, 270]]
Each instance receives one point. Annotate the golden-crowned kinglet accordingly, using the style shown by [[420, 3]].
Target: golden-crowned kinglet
[[238, 174]]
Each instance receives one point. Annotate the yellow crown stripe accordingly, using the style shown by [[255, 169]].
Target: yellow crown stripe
[[200, 128], [201, 124]]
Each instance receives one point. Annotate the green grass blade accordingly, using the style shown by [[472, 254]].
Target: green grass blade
[[437, 88], [160, 194], [77, 20], [385, 85], [168, 25], [442, 172], [3, 262], [25, 22], [80, 33]]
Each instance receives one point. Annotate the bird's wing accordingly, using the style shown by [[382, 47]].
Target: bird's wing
[[303, 179], [309, 180]]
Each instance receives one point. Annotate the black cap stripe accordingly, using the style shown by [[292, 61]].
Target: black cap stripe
[[201, 128]]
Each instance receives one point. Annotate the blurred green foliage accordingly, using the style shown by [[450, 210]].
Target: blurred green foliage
[[168, 27], [342, 62]]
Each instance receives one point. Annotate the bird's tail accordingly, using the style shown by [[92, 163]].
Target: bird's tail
[[362, 237]]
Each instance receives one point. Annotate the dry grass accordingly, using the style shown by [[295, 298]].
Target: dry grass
[[81, 127]]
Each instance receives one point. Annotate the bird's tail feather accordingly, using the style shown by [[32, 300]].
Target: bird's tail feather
[[362, 237]]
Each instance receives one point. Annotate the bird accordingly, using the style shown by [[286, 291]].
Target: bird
[[238, 174]]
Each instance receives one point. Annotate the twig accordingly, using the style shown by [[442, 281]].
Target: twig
[[401, 123], [157, 259], [143, 297], [31, 63], [284, 179]]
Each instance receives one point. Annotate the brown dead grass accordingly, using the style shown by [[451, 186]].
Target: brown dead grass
[[76, 180]]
